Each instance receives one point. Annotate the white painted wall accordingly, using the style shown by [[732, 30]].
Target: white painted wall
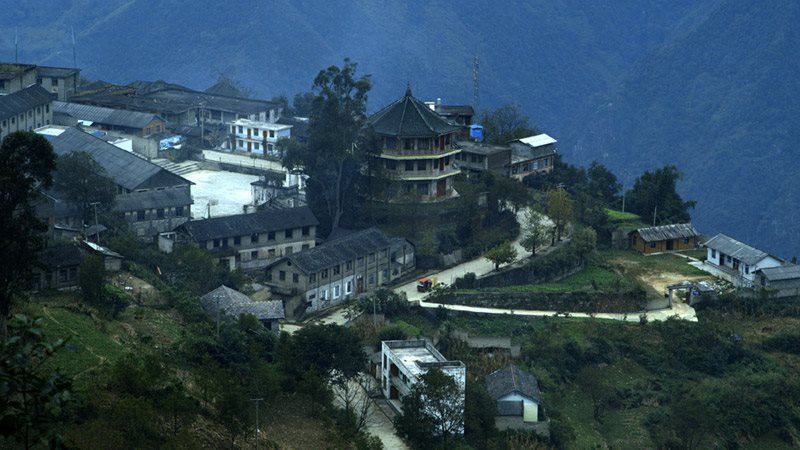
[[530, 409]]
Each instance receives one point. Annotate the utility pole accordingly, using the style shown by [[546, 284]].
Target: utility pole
[[96, 227], [655, 209], [257, 401], [74, 59], [475, 83]]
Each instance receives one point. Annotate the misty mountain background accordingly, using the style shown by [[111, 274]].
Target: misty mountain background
[[710, 86]]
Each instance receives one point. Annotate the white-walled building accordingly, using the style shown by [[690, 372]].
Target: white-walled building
[[403, 362], [257, 137], [737, 261]]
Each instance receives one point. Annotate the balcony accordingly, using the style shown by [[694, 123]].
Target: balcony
[[423, 175], [398, 154]]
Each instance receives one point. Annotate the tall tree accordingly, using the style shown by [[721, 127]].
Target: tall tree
[[654, 195], [27, 161], [602, 184], [506, 123], [433, 410], [559, 209], [535, 232], [331, 158], [83, 181]]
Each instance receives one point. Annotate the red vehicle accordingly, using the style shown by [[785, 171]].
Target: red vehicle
[[424, 284]]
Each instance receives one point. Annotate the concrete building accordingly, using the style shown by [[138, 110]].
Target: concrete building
[[252, 241], [152, 199], [783, 281], [60, 81], [257, 137], [25, 110], [519, 403], [530, 155], [736, 261], [403, 362], [342, 267], [418, 149], [477, 157]]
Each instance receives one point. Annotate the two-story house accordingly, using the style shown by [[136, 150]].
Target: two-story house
[[60, 81], [151, 199], [327, 275], [530, 155], [477, 157], [403, 362], [252, 241], [418, 149], [260, 138], [25, 110]]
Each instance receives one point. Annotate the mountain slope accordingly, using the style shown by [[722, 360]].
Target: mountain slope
[[721, 102]]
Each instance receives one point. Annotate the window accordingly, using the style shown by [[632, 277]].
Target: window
[[424, 144], [409, 166], [306, 246], [140, 215], [421, 164], [254, 254], [62, 275], [653, 244], [713, 253], [179, 211], [47, 108], [391, 164], [348, 287], [217, 243], [270, 147], [254, 238], [312, 278], [371, 278], [288, 250], [385, 274], [237, 240], [241, 143], [241, 130], [728, 258], [271, 253], [408, 144], [336, 269], [256, 146], [282, 275], [372, 257], [295, 278], [289, 233], [312, 296], [38, 110], [348, 265], [272, 133], [160, 213], [271, 236], [323, 295], [306, 231], [325, 273], [360, 261], [685, 241], [747, 269], [336, 291]]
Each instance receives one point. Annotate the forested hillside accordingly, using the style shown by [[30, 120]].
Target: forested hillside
[[709, 86]]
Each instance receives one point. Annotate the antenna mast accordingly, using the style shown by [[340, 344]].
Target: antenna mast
[[475, 83]]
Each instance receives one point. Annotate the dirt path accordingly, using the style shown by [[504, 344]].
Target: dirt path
[[660, 281]]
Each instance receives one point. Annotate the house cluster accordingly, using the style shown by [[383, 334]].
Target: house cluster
[[425, 146], [741, 264], [515, 392]]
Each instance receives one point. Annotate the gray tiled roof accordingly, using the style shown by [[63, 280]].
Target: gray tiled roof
[[337, 251], [124, 168], [56, 72], [666, 232], [787, 272], [24, 100], [109, 116], [247, 224], [167, 198], [60, 256], [735, 249], [512, 379], [482, 148], [233, 303], [409, 117]]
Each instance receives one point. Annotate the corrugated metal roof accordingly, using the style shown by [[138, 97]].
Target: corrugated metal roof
[[233, 303], [124, 168], [349, 247], [247, 224], [109, 116], [538, 140], [787, 272], [667, 232], [409, 117], [512, 379], [153, 199], [24, 100], [739, 250]]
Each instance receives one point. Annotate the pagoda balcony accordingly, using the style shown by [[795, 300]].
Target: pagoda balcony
[[419, 154]]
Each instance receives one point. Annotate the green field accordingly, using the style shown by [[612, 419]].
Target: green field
[[588, 279], [633, 263]]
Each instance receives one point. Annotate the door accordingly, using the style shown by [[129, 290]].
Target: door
[[670, 244], [441, 188], [359, 284]]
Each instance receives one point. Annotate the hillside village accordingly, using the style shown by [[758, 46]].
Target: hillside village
[[215, 270]]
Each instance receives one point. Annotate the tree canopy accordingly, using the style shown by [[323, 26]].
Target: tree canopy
[[504, 253], [83, 181], [506, 123], [654, 195], [27, 161], [433, 411]]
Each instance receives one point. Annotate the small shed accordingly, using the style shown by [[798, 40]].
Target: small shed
[[664, 238], [230, 303], [57, 267], [517, 395], [783, 280], [111, 259]]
